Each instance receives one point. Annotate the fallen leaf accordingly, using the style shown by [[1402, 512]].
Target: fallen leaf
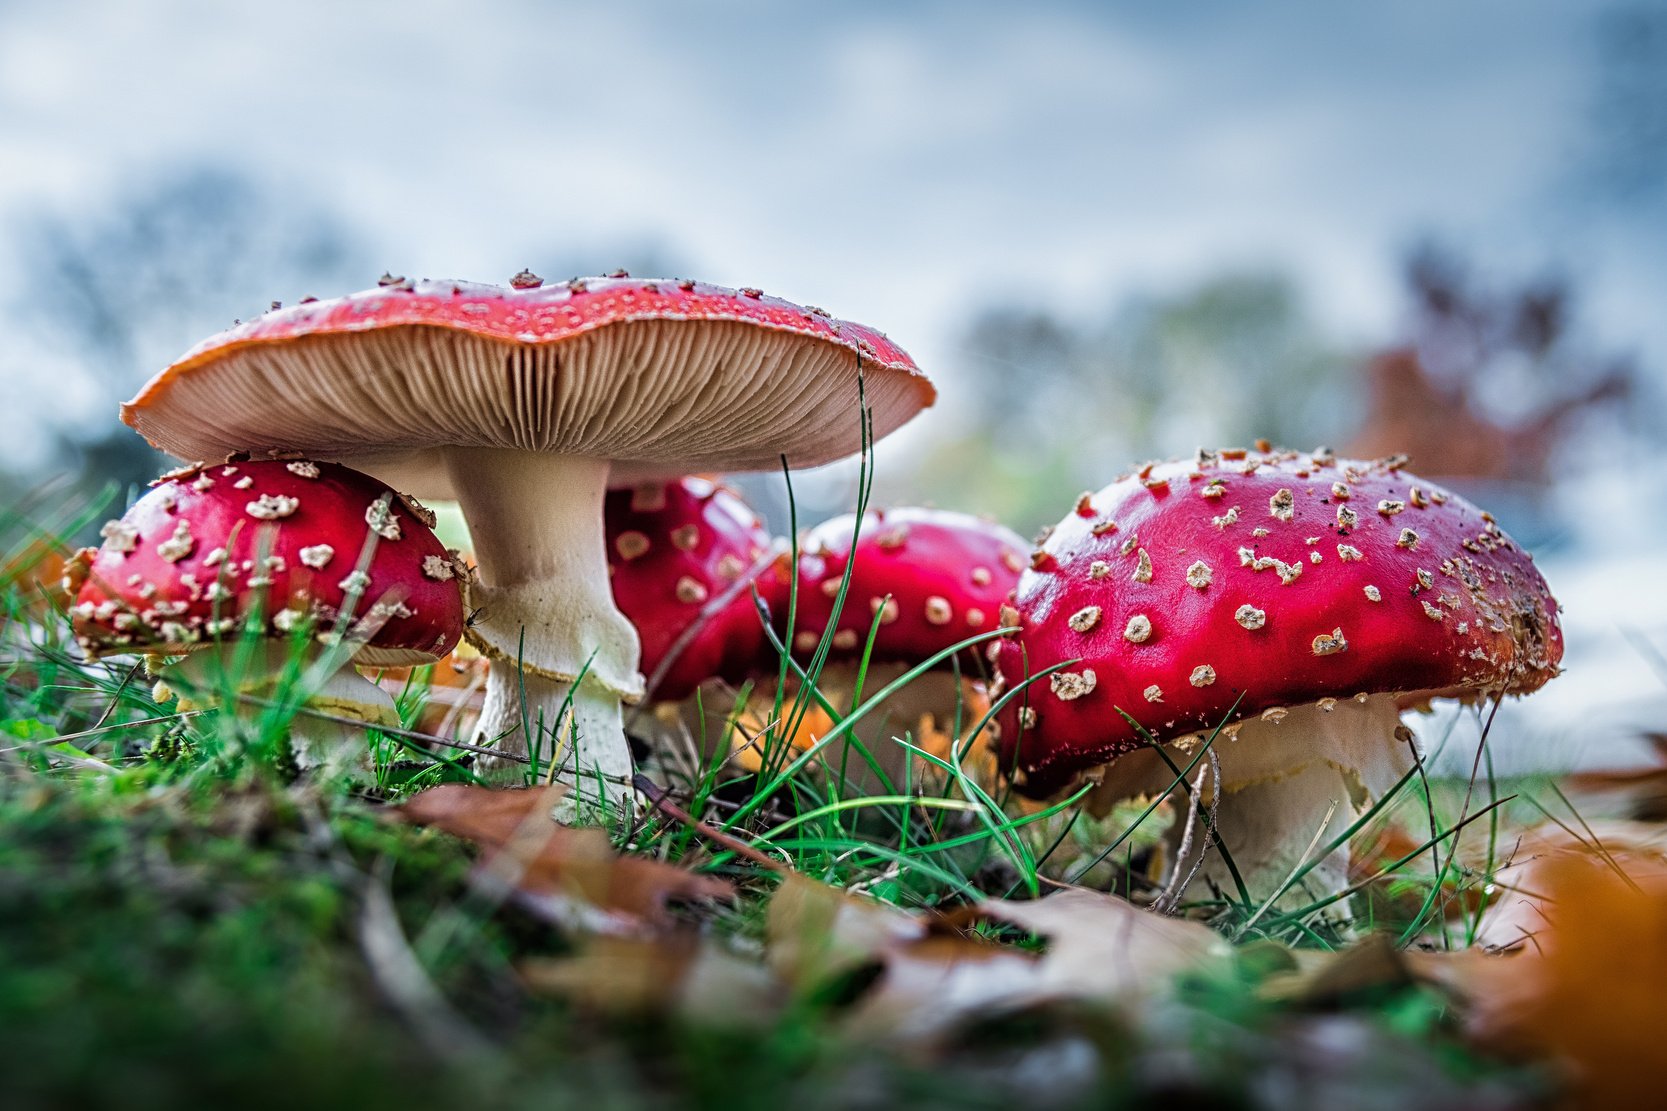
[[571, 874], [684, 975], [933, 986], [815, 932], [1105, 948], [1588, 985]]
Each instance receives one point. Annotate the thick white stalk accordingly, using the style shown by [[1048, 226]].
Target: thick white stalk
[[332, 686], [546, 614], [1291, 782]]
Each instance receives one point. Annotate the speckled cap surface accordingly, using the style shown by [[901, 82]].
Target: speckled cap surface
[[662, 377], [1266, 579]]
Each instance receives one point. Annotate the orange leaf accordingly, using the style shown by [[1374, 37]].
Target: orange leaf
[[528, 852]]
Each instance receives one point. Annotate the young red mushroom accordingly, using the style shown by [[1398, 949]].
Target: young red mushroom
[[1305, 600], [682, 555], [930, 578], [284, 549], [524, 404]]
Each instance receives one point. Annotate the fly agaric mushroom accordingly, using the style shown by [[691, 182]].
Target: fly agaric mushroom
[[1310, 598], [523, 404], [281, 549], [682, 554], [930, 579]]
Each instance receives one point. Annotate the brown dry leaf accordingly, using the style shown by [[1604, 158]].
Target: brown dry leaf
[[815, 932], [571, 873], [1589, 985], [937, 984], [1105, 948], [681, 974], [1324, 979]]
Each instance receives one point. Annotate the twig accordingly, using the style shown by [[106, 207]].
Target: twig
[[661, 801]]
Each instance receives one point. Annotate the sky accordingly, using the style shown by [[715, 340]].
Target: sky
[[902, 164]]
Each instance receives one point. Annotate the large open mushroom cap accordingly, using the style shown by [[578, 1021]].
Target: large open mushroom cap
[[661, 377], [1262, 581]]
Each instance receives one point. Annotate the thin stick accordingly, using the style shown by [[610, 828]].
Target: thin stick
[[661, 801]]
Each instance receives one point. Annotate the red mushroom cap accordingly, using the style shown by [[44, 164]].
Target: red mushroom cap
[[674, 551], [208, 544], [946, 574], [662, 377], [1272, 579]]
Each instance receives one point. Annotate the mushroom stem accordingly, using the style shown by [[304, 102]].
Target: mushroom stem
[[546, 612], [220, 674], [1281, 776]]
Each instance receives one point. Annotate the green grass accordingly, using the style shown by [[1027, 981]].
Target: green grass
[[182, 916]]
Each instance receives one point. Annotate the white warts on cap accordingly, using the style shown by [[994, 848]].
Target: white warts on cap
[[1432, 612], [1153, 693], [317, 556], [1099, 569], [437, 568], [1330, 645], [938, 610], [1084, 619], [1069, 685], [303, 468], [1250, 617], [1346, 517], [119, 536], [685, 537], [1138, 630], [1226, 519], [1389, 507], [1408, 539], [1282, 504], [1199, 575], [1348, 553], [271, 507], [356, 582], [690, 591], [379, 515], [1202, 675], [1142, 568], [179, 545], [630, 545], [1373, 594]]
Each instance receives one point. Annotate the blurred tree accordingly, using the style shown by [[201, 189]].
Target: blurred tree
[[1490, 381], [1043, 407], [121, 294]]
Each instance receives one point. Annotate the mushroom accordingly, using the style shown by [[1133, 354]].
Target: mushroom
[[280, 550], [1299, 599], [682, 555], [523, 404], [923, 581]]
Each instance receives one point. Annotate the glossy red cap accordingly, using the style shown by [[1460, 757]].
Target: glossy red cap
[[1274, 579], [208, 544], [946, 574], [680, 554], [661, 377]]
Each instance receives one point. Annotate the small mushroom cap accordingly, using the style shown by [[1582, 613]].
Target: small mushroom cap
[[946, 575], [662, 377], [208, 545], [675, 550], [1273, 579]]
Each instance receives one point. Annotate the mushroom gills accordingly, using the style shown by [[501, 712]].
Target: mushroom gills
[[1280, 776], [326, 677]]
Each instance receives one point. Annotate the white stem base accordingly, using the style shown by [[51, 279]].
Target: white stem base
[[583, 747], [322, 747], [1280, 776], [545, 614]]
